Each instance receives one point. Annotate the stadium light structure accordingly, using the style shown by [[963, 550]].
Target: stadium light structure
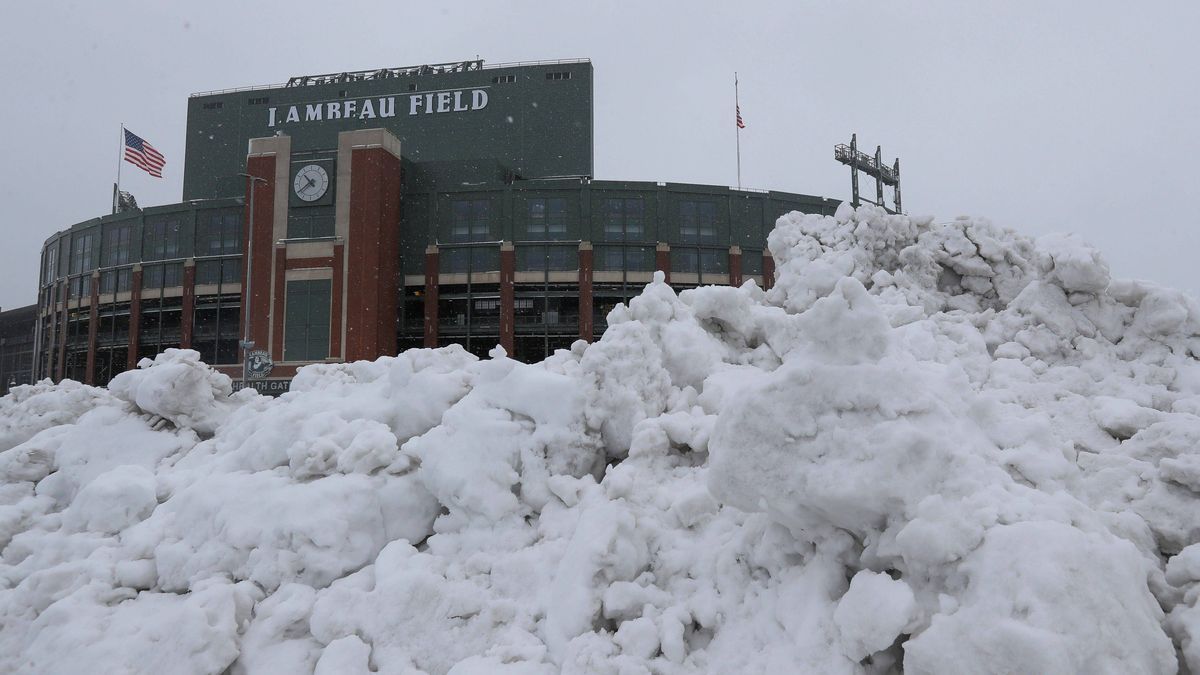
[[872, 166], [246, 344]]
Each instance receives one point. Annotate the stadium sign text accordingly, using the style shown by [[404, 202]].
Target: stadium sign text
[[428, 103]]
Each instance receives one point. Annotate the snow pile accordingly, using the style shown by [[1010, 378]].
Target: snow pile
[[930, 447]]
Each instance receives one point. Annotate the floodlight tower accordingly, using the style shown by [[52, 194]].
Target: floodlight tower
[[872, 166]]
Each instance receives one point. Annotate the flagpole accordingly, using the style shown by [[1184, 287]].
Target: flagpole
[[120, 156], [737, 107]]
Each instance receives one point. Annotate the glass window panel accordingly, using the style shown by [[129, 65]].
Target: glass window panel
[[714, 261], [124, 280], [537, 216], [231, 271], [208, 271]]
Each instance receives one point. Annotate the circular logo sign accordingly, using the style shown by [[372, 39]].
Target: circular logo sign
[[258, 364]]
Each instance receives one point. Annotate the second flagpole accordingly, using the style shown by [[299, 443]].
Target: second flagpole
[[738, 126], [120, 156]]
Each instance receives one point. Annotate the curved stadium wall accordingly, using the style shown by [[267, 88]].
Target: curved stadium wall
[[119, 288]]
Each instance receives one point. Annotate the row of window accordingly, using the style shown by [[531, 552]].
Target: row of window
[[217, 233], [623, 219], [162, 275], [606, 258]]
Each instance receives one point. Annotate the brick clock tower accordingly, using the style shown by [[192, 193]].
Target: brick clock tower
[[323, 252]]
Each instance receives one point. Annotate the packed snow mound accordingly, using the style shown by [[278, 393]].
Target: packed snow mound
[[930, 447]]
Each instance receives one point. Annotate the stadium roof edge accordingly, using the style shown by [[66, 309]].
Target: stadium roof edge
[[484, 66]]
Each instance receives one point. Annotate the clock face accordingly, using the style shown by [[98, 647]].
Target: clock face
[[312, 182]]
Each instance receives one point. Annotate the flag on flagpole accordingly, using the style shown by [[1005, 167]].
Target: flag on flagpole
[[740, 123], [143, 155]]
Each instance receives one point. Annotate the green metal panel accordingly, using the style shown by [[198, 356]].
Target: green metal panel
[[536, 126]]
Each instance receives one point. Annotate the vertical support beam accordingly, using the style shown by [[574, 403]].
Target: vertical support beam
[[135, 317], [896, 170], [735, 265], [277, 304], [587, 327], [431, 296], [662, 259], [89, 373], [879, 175], [508, 266], [336, 318], [186, 322], [854, 170], [60, 367], [768, 270]]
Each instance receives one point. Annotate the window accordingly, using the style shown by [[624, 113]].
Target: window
[[83, 252], [306, 320], [702, 260], [697, 222], [161, 239], [547, 258], [628, 258], [623, 219], [547, 217], [162, 276], [504, 79], [50, 271], [214, 105], [412, 87], [558, 76], [313, 223], [752, 262], [114, 247], [470, 219], [219, 233], [259, 100], [225, 271]]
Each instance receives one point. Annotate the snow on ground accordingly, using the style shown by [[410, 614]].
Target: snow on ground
[[945, 448]]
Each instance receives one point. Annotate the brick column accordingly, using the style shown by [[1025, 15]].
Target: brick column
[[60, 368], [135, 317], [662, 259], [260, 244], [508, 266], [89, 372], [277, 306], [52, 339], [431, 296], [373, 250], [187, 320], [735, 265], [336, 348], [768, 268], [586, 264]]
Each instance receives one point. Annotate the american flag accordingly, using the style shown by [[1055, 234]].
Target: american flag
[[741, 124], [143, 155]]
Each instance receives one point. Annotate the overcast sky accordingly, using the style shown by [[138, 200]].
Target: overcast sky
[[1043, 116]]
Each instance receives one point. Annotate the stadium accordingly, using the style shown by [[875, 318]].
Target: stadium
[[347, 216]]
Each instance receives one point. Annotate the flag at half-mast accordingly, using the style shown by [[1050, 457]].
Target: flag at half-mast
[[741, 124], [143, 155]]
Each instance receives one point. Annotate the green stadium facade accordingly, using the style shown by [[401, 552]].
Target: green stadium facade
[[392, 209]]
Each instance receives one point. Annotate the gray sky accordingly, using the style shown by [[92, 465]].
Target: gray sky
[[1043, 116]]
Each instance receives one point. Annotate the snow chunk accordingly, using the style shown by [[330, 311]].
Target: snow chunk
[[873, 613]]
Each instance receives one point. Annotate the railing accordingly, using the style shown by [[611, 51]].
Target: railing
[[864, 162], [379, 74]]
